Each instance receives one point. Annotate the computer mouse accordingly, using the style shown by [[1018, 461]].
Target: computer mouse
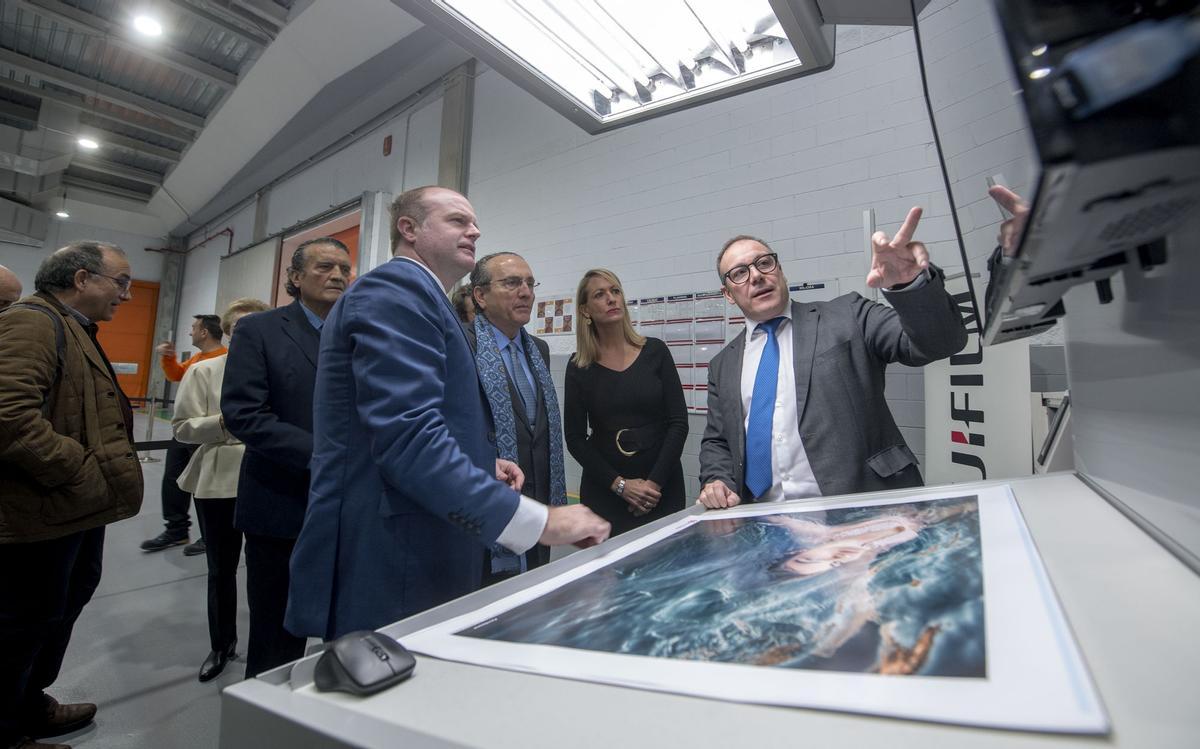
[[362, 663]]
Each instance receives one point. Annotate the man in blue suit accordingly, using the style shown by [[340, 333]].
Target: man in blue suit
[[404, 472], [267, 403]]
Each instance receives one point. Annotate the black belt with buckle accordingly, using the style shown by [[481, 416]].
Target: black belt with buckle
[[632, 440]]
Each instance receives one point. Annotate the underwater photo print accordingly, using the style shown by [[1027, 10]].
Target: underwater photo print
[[931, 605], [896, 589]]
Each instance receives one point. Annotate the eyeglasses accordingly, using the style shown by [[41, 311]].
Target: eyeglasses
[[764, 264], [512, 283], [123, 284]]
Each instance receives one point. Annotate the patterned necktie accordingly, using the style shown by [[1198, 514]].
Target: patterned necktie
[[762, 414], [522, 382]]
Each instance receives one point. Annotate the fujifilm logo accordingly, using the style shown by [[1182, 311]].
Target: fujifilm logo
[[966, 372]]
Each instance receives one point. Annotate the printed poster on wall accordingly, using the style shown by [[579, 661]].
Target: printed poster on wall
[[554, 315]]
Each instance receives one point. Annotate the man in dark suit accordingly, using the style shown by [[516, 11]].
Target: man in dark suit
[[517, 386], [405, 491], [795, 402], [267, 403]]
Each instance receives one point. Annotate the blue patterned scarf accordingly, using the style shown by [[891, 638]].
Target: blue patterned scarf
[[494, 375]]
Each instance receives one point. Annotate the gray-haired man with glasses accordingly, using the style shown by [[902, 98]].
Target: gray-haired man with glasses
[[67, 469], [795, 402], [502, 287]]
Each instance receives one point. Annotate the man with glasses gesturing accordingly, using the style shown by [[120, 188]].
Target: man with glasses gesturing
[[795, 402]]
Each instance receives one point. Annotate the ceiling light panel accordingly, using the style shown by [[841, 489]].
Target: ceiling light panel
[[605, 63]]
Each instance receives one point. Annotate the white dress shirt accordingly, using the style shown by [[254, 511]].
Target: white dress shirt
[[527, 525], [791, 475]]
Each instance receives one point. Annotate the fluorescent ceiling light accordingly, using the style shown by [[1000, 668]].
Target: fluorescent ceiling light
[[147, 25], [88, 144], [606, 63], [62, 213]]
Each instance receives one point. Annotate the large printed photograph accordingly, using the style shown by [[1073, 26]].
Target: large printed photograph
[[893, 589], [926, 606]]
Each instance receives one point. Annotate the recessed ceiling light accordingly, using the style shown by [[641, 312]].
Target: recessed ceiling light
[[606, 63], [1039, 50], [62, 213], [88, 144], [147, 25], [1039, 73]]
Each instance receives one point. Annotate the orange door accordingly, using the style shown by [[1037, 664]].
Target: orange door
[[129, 336]]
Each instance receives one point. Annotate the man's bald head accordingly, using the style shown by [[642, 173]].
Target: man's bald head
[[10, 287]]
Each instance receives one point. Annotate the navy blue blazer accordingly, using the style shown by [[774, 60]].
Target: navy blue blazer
[[266, 399], [404, 492]]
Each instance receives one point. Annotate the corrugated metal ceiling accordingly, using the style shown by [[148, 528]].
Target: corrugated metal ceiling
[[81, 54]]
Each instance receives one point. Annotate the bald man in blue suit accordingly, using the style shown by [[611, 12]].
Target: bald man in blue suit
[[407, 490]]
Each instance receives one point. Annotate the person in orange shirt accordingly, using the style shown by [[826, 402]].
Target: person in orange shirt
[[206, 337]]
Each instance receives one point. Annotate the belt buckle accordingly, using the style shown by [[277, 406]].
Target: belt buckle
[[623, 451]]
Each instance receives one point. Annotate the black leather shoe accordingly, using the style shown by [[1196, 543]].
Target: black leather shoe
[[57, 718], [164, 540], [216, 661], [195, 550]]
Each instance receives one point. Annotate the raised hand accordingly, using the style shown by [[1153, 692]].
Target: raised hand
[[898, 260], [1011, 229], [166, 348]]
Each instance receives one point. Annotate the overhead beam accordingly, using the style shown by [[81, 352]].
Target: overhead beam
[[118, 170], [266, 9], [165, 129], [109, 138], [118, 36], [120, 192], [87, 86], [257, 40]]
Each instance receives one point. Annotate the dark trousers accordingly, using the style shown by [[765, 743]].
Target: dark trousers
[[175, 501], [270, 645], [223, 550], [43, 587]]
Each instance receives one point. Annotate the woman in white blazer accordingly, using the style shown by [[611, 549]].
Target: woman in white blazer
[[211, 477]]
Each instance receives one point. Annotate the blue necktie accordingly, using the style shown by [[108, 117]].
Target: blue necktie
[[762, 414], [522, 382]]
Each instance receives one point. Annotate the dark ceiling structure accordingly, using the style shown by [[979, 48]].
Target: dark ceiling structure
[[78, 69]]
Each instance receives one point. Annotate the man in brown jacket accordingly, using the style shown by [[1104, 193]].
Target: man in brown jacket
[[67, 469]]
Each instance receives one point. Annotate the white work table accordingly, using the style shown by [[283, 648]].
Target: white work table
[[1132, 606]]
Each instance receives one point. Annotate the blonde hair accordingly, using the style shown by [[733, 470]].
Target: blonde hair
[[585, 334], [243, 306]]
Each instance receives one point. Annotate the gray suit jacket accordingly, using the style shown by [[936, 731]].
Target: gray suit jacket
[[840, 351]]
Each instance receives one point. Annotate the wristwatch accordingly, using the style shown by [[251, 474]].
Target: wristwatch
[[620, 487]]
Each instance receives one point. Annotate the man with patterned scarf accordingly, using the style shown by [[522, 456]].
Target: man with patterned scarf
[[514, 368]]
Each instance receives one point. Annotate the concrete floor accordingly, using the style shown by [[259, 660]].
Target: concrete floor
[[138, 645]]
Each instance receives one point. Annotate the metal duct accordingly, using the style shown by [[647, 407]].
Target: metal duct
[[21, 224]]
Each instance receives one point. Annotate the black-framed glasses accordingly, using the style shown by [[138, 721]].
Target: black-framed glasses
[[512, 283], [764, 264], [123, 284]]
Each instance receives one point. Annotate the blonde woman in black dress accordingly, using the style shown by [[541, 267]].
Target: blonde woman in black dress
[[625, 389]]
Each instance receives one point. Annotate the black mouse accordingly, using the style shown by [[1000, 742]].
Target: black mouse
[[362, 663]]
